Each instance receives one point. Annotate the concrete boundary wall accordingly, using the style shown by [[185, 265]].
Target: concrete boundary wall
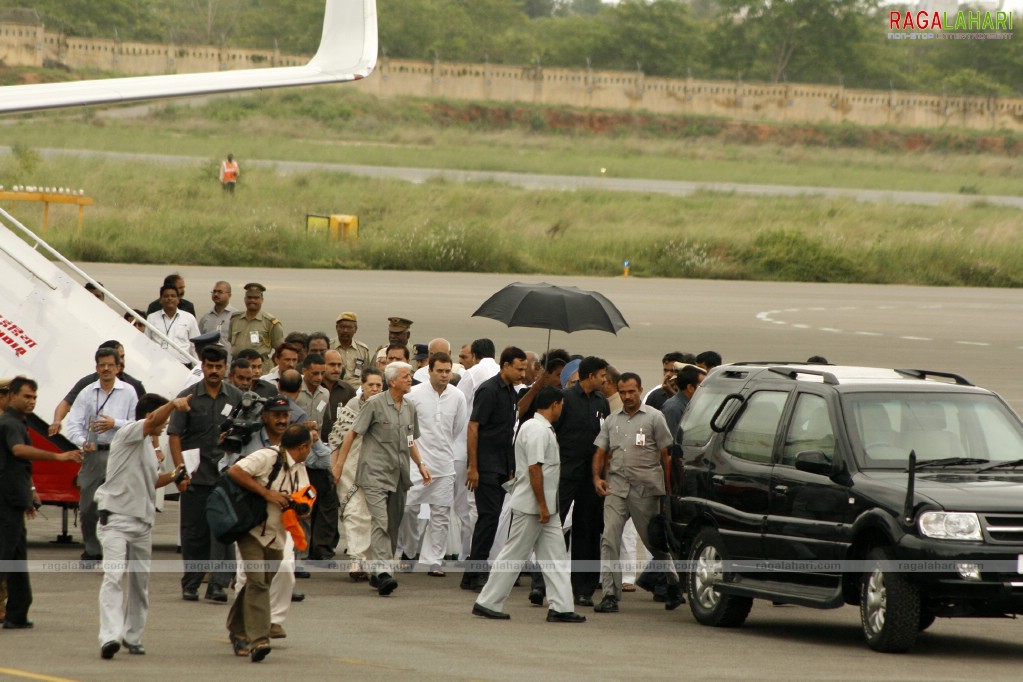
[[32, 45]]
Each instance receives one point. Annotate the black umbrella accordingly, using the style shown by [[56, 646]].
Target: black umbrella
[[548, 306]]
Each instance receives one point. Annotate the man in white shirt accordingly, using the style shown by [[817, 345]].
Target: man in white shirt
[[536, 525], [127, 508], [102, 408], [422, 375], [442, 418], [178, 325]]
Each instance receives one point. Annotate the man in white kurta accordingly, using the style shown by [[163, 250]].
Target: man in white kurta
[[442, 418], [533, 526]]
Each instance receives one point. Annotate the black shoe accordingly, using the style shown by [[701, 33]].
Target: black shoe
[[302, 573], [607, 605], [476, 583], [297, 596], [387, 584], [374, 582], [136, 649], [92, 557], [536, 597], [675, 598], [190, 594], [660, 597], [583, 600], [217, 594], [483, 611], [564, 617], [108, 650], [23, 625]]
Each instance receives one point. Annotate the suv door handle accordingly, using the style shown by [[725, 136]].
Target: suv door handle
[[781, 489]]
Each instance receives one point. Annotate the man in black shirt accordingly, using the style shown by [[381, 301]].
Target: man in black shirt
[[491, 453], [212, 401], [585, 409], [16, 456]]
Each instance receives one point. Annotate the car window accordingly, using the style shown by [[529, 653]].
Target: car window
[[935, 426], [752, 437], [696, 429], [809, 430]]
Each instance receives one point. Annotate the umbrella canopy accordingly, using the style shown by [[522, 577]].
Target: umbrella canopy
[[548, 306]]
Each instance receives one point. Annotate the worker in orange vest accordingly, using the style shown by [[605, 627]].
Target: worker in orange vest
[[229, 173]]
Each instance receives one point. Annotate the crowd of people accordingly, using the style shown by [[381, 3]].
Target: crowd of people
[[549, 465]]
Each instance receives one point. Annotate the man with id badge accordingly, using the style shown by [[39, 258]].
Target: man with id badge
[[389, 428], [212, 400], [354, 354], [179, 325], [253, 328], [102, 408], [630, 471]]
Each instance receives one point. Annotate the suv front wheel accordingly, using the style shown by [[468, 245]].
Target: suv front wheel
[[710, 607], [889, 605]]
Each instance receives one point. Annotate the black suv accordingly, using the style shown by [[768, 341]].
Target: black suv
[[897, 490]]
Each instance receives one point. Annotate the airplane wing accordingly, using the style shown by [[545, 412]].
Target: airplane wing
[[347, 52]]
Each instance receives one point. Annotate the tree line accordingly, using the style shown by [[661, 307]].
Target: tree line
[[836, 42]]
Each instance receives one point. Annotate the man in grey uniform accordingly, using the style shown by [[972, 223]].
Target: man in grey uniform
[[388, 426], [629, 472], [533, 526]]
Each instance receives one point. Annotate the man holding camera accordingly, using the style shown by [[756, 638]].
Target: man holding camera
[[212, 400], [248, 623], [127, 508], [277, 414]]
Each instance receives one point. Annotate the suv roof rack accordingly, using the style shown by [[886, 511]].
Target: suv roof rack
[[926, 373], [828, 377], [779, 362]]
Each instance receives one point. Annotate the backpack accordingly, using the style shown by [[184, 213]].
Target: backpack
[[232, 511]]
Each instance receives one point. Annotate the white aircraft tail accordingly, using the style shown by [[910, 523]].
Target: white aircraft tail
[[347, 52]]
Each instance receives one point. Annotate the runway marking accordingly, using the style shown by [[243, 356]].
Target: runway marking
[[806, 326], [869, 333], [372, 664], [831, 330], [973, 343], [915, 338], [33, 676]]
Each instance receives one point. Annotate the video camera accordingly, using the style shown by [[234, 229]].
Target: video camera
[[243, 421]]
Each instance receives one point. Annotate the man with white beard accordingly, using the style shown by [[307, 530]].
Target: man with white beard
[[442, 417]]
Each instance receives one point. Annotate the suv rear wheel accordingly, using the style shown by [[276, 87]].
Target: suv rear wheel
[[889, 606], [710, 607]]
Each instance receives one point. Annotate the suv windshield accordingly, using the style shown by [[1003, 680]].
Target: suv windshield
[[885, 427]]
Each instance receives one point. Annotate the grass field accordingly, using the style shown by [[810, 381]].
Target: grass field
[[178, 214]]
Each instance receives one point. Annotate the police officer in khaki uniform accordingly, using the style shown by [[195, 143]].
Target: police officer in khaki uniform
[[355, 354], [255, 328], [399, 330]]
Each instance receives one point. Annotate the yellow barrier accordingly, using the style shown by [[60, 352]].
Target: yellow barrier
[[51, 198]]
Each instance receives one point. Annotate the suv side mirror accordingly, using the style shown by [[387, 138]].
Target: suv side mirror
[[814, 462], [727, 412]]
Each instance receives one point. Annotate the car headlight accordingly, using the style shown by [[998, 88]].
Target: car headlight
[[950, 525]]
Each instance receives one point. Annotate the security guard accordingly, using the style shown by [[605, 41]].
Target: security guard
[[255, 328], [354, 353], [399, 330]]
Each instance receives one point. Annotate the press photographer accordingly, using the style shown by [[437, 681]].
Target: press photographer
[[248, 623]]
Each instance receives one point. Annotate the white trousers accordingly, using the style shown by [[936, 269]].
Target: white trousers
[[281, 586], [464, 508], [127, 549], [548, 541], [630, 568]]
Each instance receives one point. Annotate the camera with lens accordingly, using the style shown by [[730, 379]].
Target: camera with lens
[[243, 421], [300, 503]]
